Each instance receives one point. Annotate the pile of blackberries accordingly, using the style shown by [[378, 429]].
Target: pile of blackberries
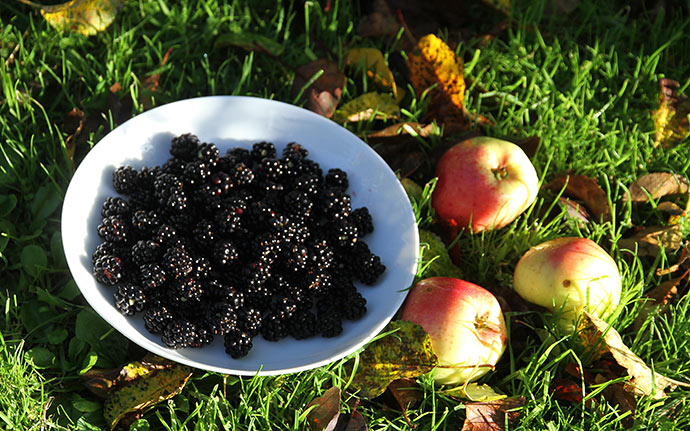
[[238, 245]]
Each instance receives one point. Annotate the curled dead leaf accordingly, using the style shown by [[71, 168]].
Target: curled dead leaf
[[323, 94], [671, 118], [604, 339], [656, 185], [325, 408], [658, 299], [650, 240], [585, 189]]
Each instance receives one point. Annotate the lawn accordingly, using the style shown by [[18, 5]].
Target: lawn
[[582, 83]]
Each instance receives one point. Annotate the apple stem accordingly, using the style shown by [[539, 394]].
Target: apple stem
[[500, 173]]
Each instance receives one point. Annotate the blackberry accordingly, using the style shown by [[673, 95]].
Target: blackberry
[[302, 325], [237, 343], [228, 220], [179, 333], [165, 185], [202, 337], [273, 328], [196, 173], [371, 269], [177, 201], [329, 324], [242, 175], [208, 153], [115, 206], [316, 283], [201, 268], [105, 249], [362, 220], [271, 169], [258, 296], [335, 204], [203, 234], [177, 263], [165, 235], [145, 251], [249, 320], [114, 229], [219, 184], [157, 318], [354, 306], [344, 233], [129, 298], [225, 253], [321, 254], [337, 179], [145, 222], [308, 183], [308, 166], [185, 146], [220, 318], [241, 155], [185, 290], [284, 307], [108, 270], [262, 150], [299, 203], [295, 151], [174, 166], [125, 180], [296, 257], [151, 275]]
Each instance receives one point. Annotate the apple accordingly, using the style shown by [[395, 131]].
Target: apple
[[569, 275], [466, 325], [483, 183]]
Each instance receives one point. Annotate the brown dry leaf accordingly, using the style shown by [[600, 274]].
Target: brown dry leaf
[[575, 210], [649, 241], [492, 415], [87, 17], [586, 190], [405, 392], [671, 118], [379, 106], [380, 22], [433, 63], [323, 95], [656, 185], [403, 128], [372, 60], [643, 381], [327, 406], [347, 422], [684, 254], [671, 208], [658, 299]]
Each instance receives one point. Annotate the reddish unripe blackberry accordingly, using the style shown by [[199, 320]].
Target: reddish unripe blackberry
[[237, 343], [185, 146], [151, 275], [114, 229], [115, 206], [108, 270], [125, 180], [129, 298]]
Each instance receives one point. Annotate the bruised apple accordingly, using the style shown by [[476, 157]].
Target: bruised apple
[[483, 183], [569, 275], [466, 325]]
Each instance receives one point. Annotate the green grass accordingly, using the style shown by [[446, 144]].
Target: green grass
[[585, 84]]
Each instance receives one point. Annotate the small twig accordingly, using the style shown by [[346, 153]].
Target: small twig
[[10, 58]]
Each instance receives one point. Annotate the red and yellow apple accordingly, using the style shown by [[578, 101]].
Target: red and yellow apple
[[483, 183], [466, 325], [569, 275]]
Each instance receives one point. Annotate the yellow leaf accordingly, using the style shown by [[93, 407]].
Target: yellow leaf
[[372, 60], [87, 17], [377, 105], [433, 63], [671, 120]]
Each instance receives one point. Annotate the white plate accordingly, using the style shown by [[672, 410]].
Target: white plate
[[230, 121]]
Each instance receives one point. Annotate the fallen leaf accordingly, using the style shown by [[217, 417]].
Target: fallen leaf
[[656, 185], [492, 415], [671, 208], [671, 118], [658, 299], [404, 128], [404, 353], [478, 392], [405, 392], [379, 106], [575, 210], [119, 109], [402, 155], [326, 407], [250, 42], [586, 190], [380, 22], [648, 241], [604, 339], [323, 94], [625, 402], [87, 17], [147, 383], [435, 259], [347, 422], [434, 64], [372, 60], [684, 254], [566, 390]]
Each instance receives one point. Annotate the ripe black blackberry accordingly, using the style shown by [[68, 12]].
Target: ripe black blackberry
[[202, 337], [219, 184], [241, 155], [241, 174], [274, 327], [202, 268], [174, 165], [237, 343], [225, 253], [262, 150], [249, 320], [105, 249], [208, 153], [157, 318], [196, 173], [363, 220], [334, 204], [271, 169], [299, 203], [295, 151], [371, 269], [203, 234], [145, 222], [189, 289], [114, 229], [125, 180], [165, 185], [337, 179], [344, 233], [115, 206], [295, 257], [353, 306], [258, 296], [185, 146], [220, 317], [302, 325], [177, 263], [308, 183], [108, 270], [129, 298], [151, 275], [329, 324], [145, 251], [179, 333], [165, 235]]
